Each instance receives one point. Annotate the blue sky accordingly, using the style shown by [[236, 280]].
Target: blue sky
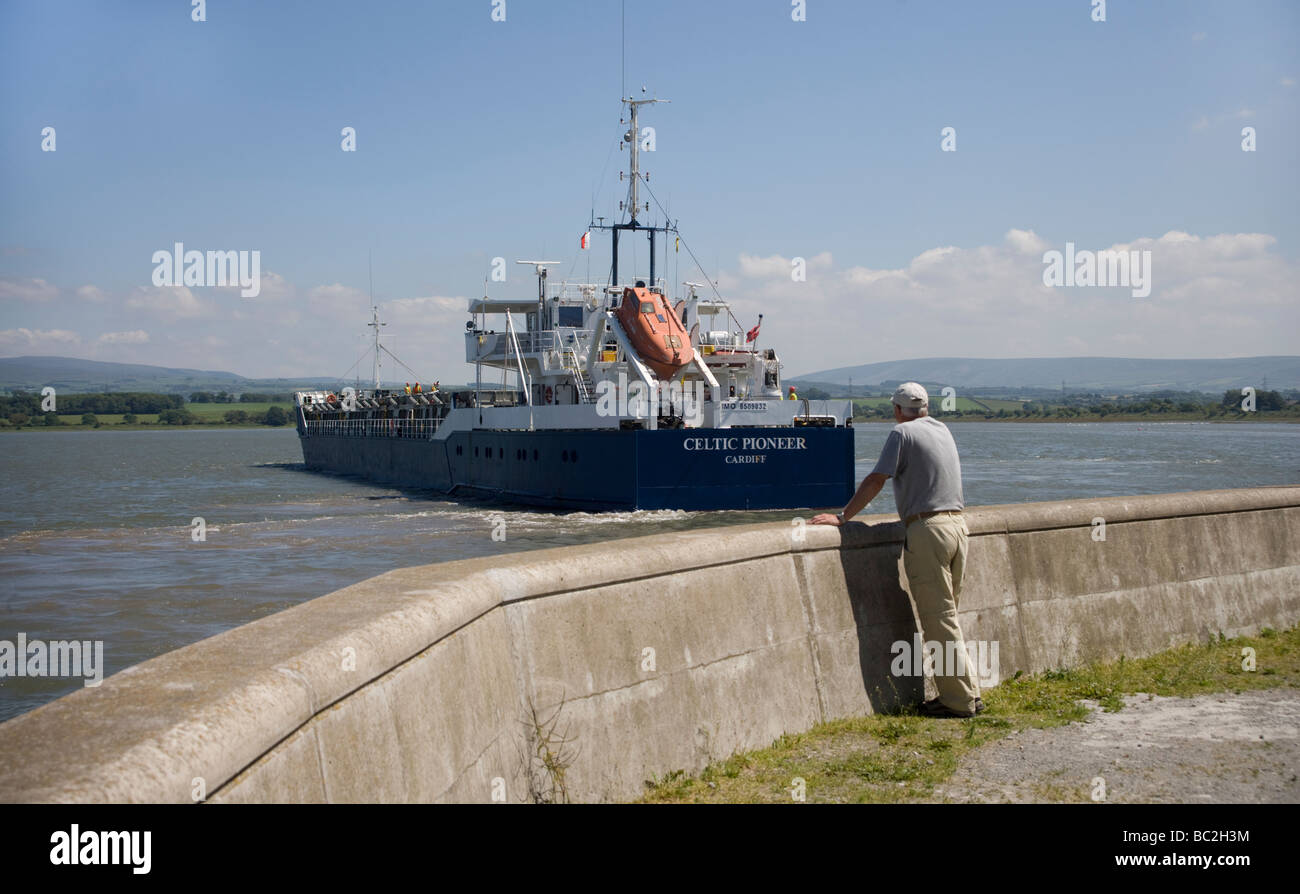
[[816, 139]]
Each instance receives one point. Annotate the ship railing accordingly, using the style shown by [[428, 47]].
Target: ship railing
[[577, 291], [501, 348], [531, 342], [373, 428], [731, 341]]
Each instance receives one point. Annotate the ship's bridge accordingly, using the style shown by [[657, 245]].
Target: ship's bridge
[[564, 326]]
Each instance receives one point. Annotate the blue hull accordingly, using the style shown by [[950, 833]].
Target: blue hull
[[691, 469]]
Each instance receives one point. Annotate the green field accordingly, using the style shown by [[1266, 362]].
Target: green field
[[215, 412]]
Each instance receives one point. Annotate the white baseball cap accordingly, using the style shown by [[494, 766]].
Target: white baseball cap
[[912, 395]]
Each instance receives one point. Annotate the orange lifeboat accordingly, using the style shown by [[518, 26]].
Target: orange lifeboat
[[655, 331]]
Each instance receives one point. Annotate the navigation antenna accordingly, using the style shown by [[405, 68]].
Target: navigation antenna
[[541, 287]]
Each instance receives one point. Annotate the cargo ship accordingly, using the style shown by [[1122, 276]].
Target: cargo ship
[[601, 396]]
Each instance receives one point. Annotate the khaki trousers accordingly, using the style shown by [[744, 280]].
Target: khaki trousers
[[935, 559]]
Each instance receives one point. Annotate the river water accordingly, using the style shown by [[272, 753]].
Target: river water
[[97, 540]]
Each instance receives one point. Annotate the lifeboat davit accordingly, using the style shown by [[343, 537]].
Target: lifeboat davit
[[655, 331]]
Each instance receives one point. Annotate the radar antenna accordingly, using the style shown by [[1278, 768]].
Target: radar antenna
[[541, 286]]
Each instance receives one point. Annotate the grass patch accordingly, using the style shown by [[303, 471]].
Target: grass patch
[[217, 412], [901, 756]]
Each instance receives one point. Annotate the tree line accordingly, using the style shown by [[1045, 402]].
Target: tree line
[[1186, 404], [118, 403], [247, 397], [25, 408]]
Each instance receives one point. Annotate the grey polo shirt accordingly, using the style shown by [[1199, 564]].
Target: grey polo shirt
[[921, 458]]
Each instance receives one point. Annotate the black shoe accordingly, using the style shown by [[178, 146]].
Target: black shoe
[[936, 708]]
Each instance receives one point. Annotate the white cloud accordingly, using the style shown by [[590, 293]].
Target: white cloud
[[272, 287], [302, 331], [176, 302], [1226, 294], [932, 257], [1204, 122], [38, 340], [421, 308], [863, 276], [275, 287], [27, 290], [778, 265], [1026, 242], [338, 297], [1199, 35], [130, 337], [1287, 82]]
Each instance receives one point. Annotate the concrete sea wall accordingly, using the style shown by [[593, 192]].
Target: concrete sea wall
[[645, 655]]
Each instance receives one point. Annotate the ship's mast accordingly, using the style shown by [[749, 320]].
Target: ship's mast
[[374, 312], [633, 203], [633, 138], [375, 324]]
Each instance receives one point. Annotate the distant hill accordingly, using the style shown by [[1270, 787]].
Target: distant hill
[[1105, 374], [89, 376]]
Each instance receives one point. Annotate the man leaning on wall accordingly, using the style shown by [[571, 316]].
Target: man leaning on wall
[[921, 456]]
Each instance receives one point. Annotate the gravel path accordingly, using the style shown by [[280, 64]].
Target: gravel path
[[1226, 748]]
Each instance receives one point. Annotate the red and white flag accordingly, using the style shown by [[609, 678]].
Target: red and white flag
[[586, 239], [753, 333]]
